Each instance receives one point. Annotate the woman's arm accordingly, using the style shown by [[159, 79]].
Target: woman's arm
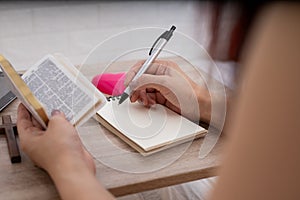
[[262, 160], [60, 152]]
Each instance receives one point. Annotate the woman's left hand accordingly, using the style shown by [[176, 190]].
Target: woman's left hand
[[57, 148]]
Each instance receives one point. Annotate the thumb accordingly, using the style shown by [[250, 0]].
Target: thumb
[[57, 118], [57, 113]]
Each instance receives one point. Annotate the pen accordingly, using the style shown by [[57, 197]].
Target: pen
[[156, 48]]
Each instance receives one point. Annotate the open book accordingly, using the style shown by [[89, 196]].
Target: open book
[[147, 130], [54, 83]]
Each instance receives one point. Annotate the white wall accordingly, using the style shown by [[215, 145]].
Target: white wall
[[29, 30]]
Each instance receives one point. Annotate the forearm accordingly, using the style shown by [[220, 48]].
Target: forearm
[[206, 101], [77, 182]]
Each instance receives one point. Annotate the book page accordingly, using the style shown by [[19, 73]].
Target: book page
[[57, 88], [149, 128]]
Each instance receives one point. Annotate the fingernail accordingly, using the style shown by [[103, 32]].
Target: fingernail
[[55, 112]]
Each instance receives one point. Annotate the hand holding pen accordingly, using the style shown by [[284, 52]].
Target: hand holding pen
[[157, 47]]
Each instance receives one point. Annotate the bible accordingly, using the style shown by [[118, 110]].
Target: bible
[[54, 83]]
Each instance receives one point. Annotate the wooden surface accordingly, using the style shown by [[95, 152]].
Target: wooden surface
[[26, 181]]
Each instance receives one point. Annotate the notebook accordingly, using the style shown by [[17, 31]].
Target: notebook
[[147, 130]]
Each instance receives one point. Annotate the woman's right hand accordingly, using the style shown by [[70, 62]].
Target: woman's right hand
[[165, 83]]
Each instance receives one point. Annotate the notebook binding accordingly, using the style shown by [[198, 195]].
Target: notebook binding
[[113, 98]]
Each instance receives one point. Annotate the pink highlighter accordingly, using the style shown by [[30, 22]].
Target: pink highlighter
[[109, 83]]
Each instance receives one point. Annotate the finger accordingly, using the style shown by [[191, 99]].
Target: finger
[[129, 76], [58, 120], [143, 97], [148, 98], [25, 126], [23, 118], [36, 123], [158, 67], [161, 84], [135, 96], [150, 90], [56, 112], [151, 98], [160, 99], [145, 86], [161, 67], [173, 107], [132, 72], [148, 81]]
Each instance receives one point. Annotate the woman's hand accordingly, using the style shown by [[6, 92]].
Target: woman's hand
[[165, 83], [57, 148], [60, 152]]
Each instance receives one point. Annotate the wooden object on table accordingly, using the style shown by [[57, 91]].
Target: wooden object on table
[[9, 129]]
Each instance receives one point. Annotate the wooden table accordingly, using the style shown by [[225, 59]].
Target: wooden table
[[26, 181]]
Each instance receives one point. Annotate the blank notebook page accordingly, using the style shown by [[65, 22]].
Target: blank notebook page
[[149, 128]]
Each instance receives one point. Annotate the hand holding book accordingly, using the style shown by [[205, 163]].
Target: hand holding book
[[54, 84]]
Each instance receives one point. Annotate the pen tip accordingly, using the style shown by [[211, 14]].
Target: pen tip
[[173, 28], [124, 96]]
